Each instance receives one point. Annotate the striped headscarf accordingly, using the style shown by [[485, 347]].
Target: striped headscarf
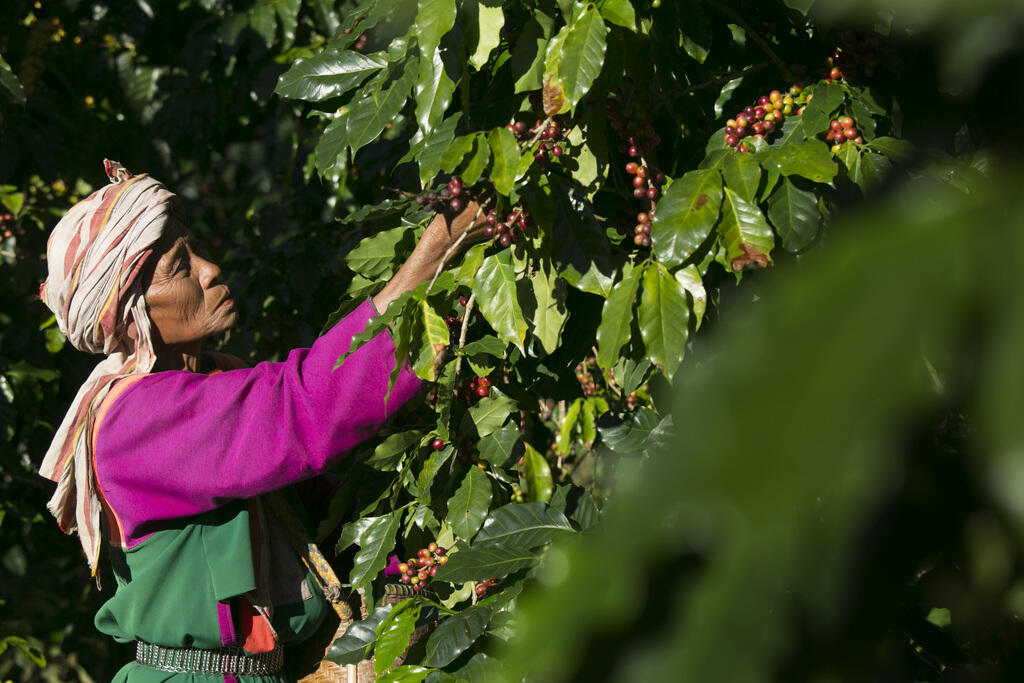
[[95, 256]]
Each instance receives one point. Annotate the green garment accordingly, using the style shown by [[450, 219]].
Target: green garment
[[169, 586]]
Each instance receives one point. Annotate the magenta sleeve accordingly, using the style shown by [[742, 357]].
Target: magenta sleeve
[[176, 444]]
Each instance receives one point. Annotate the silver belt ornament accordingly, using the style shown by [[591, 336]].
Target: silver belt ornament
[[232, 661]]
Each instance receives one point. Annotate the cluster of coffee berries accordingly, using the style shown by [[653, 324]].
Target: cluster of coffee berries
[[453, 196], [481, 588], [854, 57], [507, 231], [476, 388], [547, 140], [761, 119], [454, 321], [843, 130], [417, 571], [585, 377]]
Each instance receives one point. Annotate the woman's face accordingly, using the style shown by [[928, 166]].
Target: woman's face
[[186, 299]]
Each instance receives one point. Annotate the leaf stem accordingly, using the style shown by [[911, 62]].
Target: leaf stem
[[731, 76], [462, 337]]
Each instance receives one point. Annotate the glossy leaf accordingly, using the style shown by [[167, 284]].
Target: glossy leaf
[[376, 540], [479, 158], [523, 525], [506, 155], [664, 317], [617, 317], [434, 18], [393, 634], [537, 474], [742, 174], [619, 12], [491, 19], [431, 466], [550, 314], [495, 287], [410, 673], [456, 634], [575, 56], [467, 508], [433, 92], [389, 453], [488, 344], [686, 215], [530, 48], [375, 255], [430, 149], [497, 447], [794, 213], [10, 82], [631, 435], [745, 233], [563, 444], [809, 159], [457, 151], [354, 644], [330, 73], [490, 412], [483, 561], [367, 117], [689, 277]]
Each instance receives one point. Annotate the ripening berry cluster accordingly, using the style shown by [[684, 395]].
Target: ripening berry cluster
[[585, 377], [417, 571], [762, 118], [454, 321], [452, 196], [506, 232], [843, 130], [628, 117], [476, 388], [854, 57], [481, 588], [548, 145]]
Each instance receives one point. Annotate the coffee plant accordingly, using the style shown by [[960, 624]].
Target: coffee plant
[[645, 171]]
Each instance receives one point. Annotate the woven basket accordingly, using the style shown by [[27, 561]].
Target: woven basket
[[313, 651]]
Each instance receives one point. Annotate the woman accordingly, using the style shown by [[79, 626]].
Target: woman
[[176, 448]]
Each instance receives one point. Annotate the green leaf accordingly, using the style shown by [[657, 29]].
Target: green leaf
[[328, 74], [433, 92], [809, 159], [456, 634], [537, 474], [490, 412], [895, 149], [523, 525], [530, 48], [434, 326], [745, 233], [434, 18], [376, 254], [664, 317], [467, 508], [630, 374], [10, 82], [742, 174], [794, 213], [690, 279], [393, 634], [488, 344], [491, 20], [495, 288], [457, 151], [430, 149], [375, 542], [428, 473], [330, 148], [483, 561], [506, 159], [478, 160], [619, 12], [410, 673], [354, 645], [617, 317], [686, 215], [497, 447], [632, 434], [550, 315], [866, 168], [564, 441], [575, 56], [388, 455], [367, 117]]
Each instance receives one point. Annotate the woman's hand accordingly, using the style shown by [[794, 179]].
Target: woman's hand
[[440, 241]]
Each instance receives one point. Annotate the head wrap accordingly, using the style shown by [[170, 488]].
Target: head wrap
[[95, 256]]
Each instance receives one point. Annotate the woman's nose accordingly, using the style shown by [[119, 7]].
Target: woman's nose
[[210, 272]]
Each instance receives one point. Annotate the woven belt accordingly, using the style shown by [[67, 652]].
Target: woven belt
[[232, 661]]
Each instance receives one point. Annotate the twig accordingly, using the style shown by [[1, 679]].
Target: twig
[[540, 131], [732, 76], [762, 43], [462, 335]]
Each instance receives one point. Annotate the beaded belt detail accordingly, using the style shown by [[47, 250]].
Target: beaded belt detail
[[232, 661]]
